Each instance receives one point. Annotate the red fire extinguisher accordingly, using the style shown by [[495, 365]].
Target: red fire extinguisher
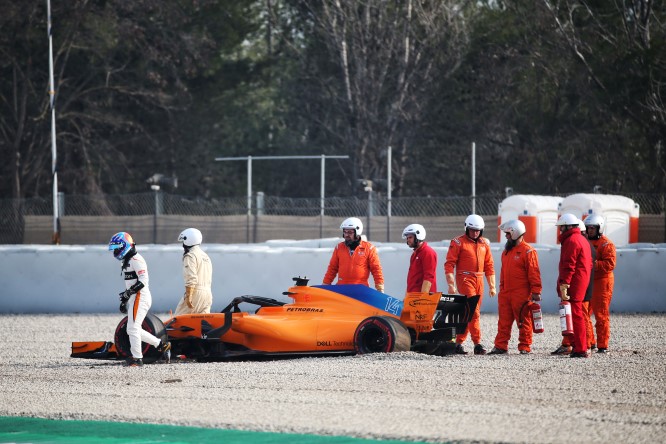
[[537, 318], [566, 322]]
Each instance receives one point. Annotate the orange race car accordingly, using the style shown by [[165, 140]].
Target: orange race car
[[321, 320]]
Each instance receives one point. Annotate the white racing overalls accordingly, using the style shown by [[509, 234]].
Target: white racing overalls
[[197, 274], [138, 305]]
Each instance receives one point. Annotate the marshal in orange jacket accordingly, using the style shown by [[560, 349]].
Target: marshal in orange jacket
[[520, 275], [470, 260], [355, 267], [602, 291], [606, 258], [519, 279]]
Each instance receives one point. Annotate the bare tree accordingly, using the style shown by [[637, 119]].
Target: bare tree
[[386, 56], [120, 72], [619, 35]]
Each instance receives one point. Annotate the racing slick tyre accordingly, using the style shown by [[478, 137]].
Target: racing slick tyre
[[153, 325], [381, 334]]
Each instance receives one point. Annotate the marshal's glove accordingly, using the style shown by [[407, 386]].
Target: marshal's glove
[[564, 288]]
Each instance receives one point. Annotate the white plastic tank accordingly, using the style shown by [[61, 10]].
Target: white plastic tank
[[538, 213], [620, 214]]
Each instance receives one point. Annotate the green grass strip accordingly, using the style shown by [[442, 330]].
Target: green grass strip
[[38, 430]]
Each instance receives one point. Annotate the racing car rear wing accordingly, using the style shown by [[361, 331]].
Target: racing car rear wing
[[454, 310], [426, 313]]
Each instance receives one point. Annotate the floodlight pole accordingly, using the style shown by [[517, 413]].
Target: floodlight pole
[[249, 159]]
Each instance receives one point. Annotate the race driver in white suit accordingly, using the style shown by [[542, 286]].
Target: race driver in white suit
[[136, 299]]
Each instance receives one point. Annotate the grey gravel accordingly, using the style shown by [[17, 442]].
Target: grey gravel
[[619, 397]]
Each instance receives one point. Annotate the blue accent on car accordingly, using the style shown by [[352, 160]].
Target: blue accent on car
[[368, 296]]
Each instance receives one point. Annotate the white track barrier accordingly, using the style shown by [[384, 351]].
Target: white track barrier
[[87, 279]]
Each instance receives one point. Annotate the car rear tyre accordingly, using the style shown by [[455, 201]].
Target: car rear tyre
[[153, 325], [381, 334]]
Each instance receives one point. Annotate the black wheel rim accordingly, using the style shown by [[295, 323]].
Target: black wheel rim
[[374, 340]]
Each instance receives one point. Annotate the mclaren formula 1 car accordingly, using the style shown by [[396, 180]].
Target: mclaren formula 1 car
[[321, 320]]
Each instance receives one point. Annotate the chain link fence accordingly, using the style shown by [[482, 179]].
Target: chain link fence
[[156, 215]]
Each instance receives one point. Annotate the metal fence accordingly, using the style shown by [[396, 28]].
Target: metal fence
[[163, 203], [27, 220]]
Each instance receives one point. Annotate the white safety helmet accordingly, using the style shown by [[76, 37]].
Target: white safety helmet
[[352, 223], [415, 229], [568, 219], [595, 220], [475, 222], [190, 237], [515, 227]]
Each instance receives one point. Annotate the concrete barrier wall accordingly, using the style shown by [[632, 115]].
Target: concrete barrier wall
[[87, 279]]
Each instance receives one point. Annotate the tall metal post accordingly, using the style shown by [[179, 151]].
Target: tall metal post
[[54, 152], [249, 197], [322, 188], [370, 211], [157, 210], [388, 194], [473, 177]]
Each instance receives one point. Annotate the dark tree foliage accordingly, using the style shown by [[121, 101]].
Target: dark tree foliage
[[124, 73], [365, 70], [558, 95]]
